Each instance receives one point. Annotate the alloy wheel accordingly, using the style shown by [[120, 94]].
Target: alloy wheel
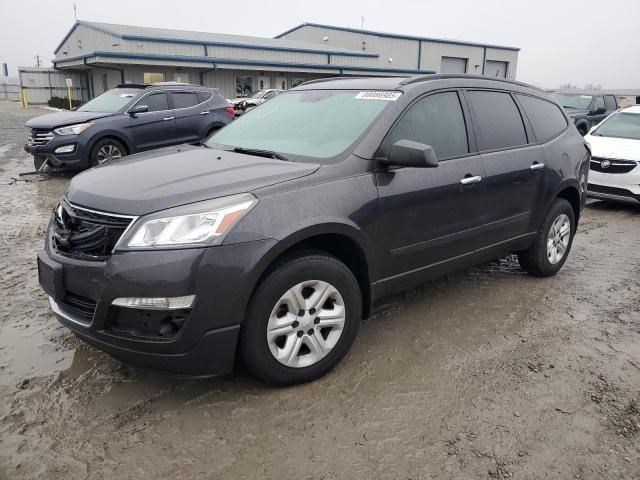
[[558, 239], [108, 152]]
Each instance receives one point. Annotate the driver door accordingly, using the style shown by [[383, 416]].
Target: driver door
[[430, 217], [155, 127]]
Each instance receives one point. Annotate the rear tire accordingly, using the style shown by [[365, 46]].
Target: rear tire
[[553, 241], [106, 150], [583, 130], [301, 320]]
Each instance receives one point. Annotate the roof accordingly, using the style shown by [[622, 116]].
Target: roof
[[393, 83], [131, 32], [395, 35], [634, 109]]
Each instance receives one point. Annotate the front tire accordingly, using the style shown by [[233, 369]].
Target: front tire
[[302, 320], [106, 150], [553, 241]]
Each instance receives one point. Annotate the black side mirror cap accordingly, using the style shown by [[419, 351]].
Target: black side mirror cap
[[407, 153], [138, 109], [598, 111]]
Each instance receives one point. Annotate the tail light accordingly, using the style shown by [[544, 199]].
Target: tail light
[[231, 111]]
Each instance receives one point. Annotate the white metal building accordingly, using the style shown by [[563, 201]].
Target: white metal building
[[107, 55]]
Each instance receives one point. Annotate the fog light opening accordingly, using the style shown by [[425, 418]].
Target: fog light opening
[[65, 149], [156, 303]]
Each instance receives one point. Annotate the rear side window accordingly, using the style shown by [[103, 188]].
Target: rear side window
[[203, 96], [610, 103], [184, 99], [156, 102], [546, 118], [497, 120], [436, 120], [598, 103]]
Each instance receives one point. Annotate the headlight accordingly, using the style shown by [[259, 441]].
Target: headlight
[[198, 224], [73, 129]]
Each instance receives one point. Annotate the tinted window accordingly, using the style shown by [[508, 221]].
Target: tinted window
[[545, 117], [156, 102], [184, 99], [610, 103], [436, 120], [203, 96], [270, 95], [497, 120], [598, 102]]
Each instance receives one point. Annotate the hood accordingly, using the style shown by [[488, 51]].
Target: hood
[[60, 119], [238, 100], [611, 147], [175, 176]]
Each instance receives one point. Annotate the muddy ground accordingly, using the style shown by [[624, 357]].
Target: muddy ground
[[488, 373]]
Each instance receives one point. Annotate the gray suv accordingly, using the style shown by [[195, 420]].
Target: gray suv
[[127, 119]]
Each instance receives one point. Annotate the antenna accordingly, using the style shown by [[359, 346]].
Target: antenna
[[364, 43], [75, 12], [37, 60]]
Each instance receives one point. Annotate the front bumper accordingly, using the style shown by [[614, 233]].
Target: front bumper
[[221, 278], [78, 158], [615, 186]]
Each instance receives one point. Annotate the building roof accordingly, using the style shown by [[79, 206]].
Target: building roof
[[395, 35], [131, 32]]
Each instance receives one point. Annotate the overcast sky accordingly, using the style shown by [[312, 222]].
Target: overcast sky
[[581, 42]]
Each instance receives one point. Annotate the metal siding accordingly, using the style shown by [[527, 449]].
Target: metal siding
[[91, 40], [403, 52], [266, 55], [432, 53], [511, 57], [43, 83]]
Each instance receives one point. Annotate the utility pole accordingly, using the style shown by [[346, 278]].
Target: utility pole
[[37, 60], [75, 12], [364, 43]]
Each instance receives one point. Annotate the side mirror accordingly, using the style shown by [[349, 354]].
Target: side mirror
[[598, 111], [138, 109], [406, 153]]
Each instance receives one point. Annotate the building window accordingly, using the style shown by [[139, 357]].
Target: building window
[[244, 86], [181, 77], [296, 81], [153, 77]]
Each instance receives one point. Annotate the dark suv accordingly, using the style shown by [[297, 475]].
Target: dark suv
[[125, 120], [586, 108], [272, 239]]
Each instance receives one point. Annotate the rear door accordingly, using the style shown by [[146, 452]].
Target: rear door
[[191, 116], [154, 128], [427, 216], [515, 169], [596, 104]]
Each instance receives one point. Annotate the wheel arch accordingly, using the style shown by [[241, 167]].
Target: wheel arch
[[115, 136], [340, 241], [572, 195]]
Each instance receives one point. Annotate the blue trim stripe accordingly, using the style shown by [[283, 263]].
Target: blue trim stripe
[[213, 43], [214, 60], [394, 35]]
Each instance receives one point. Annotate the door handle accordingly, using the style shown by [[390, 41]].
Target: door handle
[[206, 112], [168, 118], [471, 180], [536, 166]]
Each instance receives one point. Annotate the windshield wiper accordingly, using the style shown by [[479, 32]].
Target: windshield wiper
[[569, 106], [261, 153]]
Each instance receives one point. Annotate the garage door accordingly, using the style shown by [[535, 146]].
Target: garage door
[[496, 69], [453, 65]]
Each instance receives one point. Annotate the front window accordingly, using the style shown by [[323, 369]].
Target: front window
[[573, 100], [620, 125], [256, 94], [111, 101], [311, 124]]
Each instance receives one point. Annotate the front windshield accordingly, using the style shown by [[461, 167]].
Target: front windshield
[[573, 100], [620, 125], [111, 101], [257, 94], [320, 124]]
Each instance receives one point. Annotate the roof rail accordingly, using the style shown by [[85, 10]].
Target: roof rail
[[131, 85], [424, 78], [331, 79]]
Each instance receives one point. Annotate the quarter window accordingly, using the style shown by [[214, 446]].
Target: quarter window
[[184, 99], [598, 102], [156, 102], [546, 118], [436, 120], [610, 102], [497, 120]]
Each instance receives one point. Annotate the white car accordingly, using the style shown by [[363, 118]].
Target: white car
[[615, 156]]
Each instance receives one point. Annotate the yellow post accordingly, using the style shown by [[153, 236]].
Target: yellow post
[[24, 98], [69, 95]]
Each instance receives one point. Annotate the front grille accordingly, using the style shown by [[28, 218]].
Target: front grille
[[39, 138], [620, 192], [78, 306], [84, 234], [614, 166]]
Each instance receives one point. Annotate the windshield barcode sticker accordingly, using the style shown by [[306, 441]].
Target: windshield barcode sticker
[[388, 96]]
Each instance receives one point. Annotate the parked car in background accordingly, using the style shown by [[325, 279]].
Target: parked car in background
[[125, 120], [615, 161], [245, 104], [273, 238], [586, 108]]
